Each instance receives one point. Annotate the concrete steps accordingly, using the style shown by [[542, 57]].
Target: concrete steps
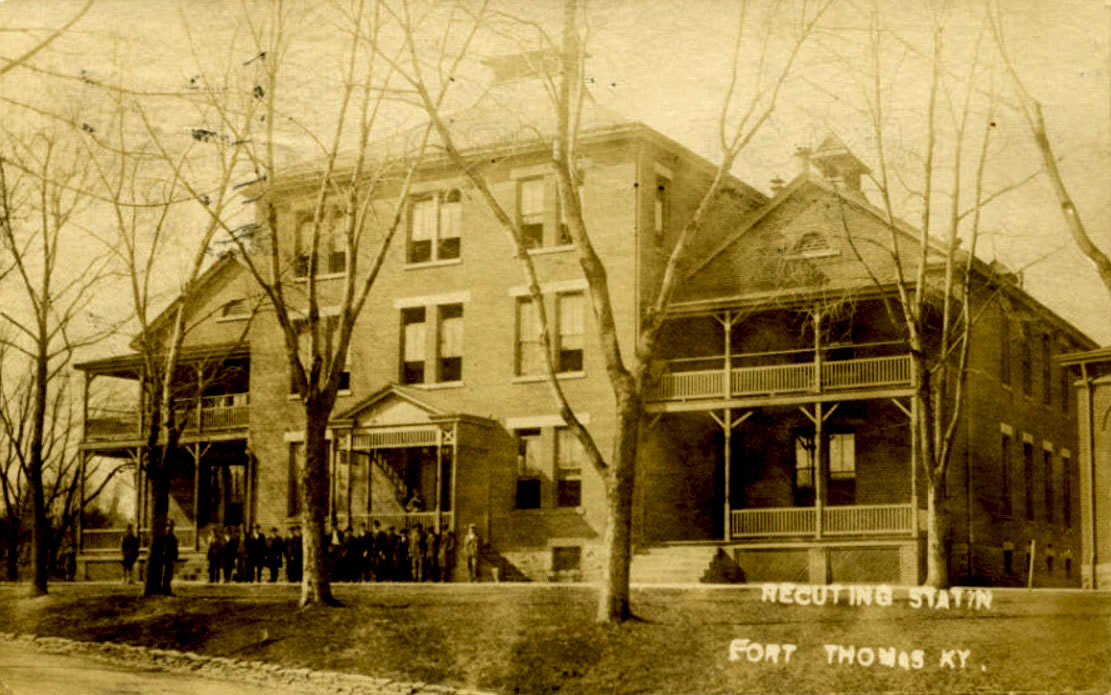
[[672, 564]]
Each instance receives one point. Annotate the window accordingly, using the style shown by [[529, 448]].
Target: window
[[451, 342], [569, 458], [341, 481], [329, 327], [236, 307], [412, 345], [1047, 372], [296, 464], [567, 559], [1005, 469], [842, 456], [1028, 461], [1008, 560], [1068, 567], [529, 469], [1066, 389], [1026, 365], [1049, 564], [1005, 350], [1066, 490], [662, 207], [1047, 466], [570, 348], [331, 249], [530, 211], [804, 462], [530, 356], [812, 244], [435, 227]]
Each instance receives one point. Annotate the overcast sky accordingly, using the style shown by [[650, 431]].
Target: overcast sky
[[665, 62]]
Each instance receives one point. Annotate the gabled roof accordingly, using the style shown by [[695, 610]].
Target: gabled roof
[[223, 263], [390, 391]]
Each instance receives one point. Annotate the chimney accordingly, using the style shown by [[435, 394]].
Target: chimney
[[800, 162], [837, 164]]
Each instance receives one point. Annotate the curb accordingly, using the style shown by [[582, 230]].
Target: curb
[[229, 669]]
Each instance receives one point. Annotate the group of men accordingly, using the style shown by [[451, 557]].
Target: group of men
[[233, 556], [415, 554]]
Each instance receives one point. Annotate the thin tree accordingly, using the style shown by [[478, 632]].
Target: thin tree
[[38, 207], [928, 280], [629, 372]]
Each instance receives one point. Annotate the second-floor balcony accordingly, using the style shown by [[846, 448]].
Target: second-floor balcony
[[689, 379], [208, 414]]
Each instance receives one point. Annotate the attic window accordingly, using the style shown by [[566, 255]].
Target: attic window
[[235, 309], [813, 245]]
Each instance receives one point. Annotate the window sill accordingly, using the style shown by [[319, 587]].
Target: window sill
[[433, 264], [545, 250], [433, 386], [229, 319], [533, 378], [551, 511], [344, 392], [324, 276]]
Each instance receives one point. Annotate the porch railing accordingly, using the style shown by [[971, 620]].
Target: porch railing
[[216, 413], [107, 540], [768, 380], [853, 520]]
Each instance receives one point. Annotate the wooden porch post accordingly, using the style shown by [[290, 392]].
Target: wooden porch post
[[81, 509], [728, 460], [914, 467], [819, 471], [196, 450], [198, 407], [439, 472]]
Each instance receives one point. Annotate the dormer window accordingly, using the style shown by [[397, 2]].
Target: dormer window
[[235, 308], [812, 244]]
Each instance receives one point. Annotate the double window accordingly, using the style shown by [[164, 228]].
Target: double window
[[1066, 490], [331, 245], [841, 457], [1028, 469], [539, 214], [553, 453], [1047, 372], [446, 365], [570, 323], [328, 338], [1027, 363], [296, 464], [435, 227]]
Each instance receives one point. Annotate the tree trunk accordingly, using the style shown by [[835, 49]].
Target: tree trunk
[[613, 602], [158, 475], [316, 588], [40, 531], [12, 554], [937, 532]]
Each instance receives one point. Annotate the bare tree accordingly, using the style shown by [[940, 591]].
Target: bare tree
[[38, 207], [356, 202], [928, 278], [739, 120], [38, 44]]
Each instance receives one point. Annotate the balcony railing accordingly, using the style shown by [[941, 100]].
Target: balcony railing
[[216, 413], [108, 540], [780, 379], [855, 520]]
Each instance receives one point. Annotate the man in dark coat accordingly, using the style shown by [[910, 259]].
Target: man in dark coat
[[129, 548], [381, 546], [275, 547], [293, 556], [169, 557], [215, 556], [256, 554], [229, 552]]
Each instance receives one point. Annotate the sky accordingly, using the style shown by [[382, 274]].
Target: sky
[[666, 63]]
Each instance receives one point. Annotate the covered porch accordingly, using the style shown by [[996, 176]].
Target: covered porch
[[837, 471]]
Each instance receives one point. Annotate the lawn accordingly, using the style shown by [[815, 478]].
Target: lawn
[[515, 638]]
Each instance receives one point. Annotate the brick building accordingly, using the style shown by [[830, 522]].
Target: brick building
[[776, 444]]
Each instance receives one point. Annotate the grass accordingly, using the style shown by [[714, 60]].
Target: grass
[[541, 638]]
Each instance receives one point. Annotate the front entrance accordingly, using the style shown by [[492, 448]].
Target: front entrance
[[222, 485]]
